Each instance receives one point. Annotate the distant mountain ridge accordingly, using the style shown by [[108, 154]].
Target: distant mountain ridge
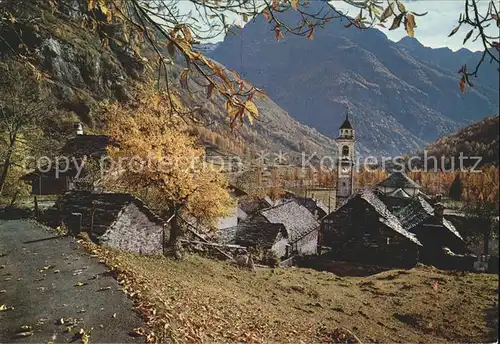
[[400, 95]]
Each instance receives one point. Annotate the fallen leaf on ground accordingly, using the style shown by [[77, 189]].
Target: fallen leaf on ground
[[45, 268], [80, 284], [104, 288], [137, 332], [4, 308], [2, 266], [3, 291], [65, 321], [25, 328], [114, 315], [41, 321], [23, 334], [56, 271], [82, 335]]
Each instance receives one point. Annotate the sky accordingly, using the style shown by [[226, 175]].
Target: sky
[[433, 29]]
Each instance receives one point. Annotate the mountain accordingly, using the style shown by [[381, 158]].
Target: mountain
[[400, 96], [477, 140], [206, 47], [83, 73]]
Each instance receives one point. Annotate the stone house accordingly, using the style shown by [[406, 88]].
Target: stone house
[[433, 230], [400, 185], [301, 226], [118, 220], [60, 177], [236, 214], [364, 230]]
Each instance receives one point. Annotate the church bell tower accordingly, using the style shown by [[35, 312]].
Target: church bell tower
[[346, 158]]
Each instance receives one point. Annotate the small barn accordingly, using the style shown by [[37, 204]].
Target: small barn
[[301, 226], [364, 230], [117, 220]]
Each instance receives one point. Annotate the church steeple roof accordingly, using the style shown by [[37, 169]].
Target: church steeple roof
[[346, 124]]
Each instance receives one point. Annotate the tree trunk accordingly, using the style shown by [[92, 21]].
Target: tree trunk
[[174, 231], [7, 163], [174, 243]]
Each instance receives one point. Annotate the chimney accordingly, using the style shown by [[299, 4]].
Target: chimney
[[439, 211], [78, 126]]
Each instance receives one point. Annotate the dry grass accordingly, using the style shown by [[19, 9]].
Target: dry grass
[[200, 300]]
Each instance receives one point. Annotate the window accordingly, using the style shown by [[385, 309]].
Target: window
[[345, 151]]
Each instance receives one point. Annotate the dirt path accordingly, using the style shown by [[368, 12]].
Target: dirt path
[[45, 278]]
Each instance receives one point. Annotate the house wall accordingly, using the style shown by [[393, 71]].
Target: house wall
[[307, 245], [279, 246], [229, 221], [49, 186], [354, 233], [134, 232]]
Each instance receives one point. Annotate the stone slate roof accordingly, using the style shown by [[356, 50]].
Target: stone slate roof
[[386, 217], [346, 124], [313, 205], [251, 205], [399, 180], [105, 206], [237, 191], [297, 220], [89, 145], [251, 234], [419, 211]]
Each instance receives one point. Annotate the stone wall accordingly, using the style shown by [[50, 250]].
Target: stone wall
[[134, 232], [230, 220], [307, 245], [279, 246]]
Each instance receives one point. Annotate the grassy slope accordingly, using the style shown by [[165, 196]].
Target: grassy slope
[[204, 300]]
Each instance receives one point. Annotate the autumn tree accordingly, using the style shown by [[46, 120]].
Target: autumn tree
[[455, 192], [24, 106], [166, 31], [155, 155], [481, 196]]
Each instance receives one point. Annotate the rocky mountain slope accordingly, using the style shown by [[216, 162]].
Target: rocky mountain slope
[[479, 139], [83, 72], [400, 96]]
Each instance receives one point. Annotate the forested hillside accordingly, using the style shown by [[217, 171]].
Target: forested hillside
[[477, 140]]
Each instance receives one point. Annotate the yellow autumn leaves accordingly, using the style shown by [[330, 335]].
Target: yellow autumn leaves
[[236, 109]]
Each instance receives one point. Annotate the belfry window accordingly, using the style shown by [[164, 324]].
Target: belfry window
[[345, 151]]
